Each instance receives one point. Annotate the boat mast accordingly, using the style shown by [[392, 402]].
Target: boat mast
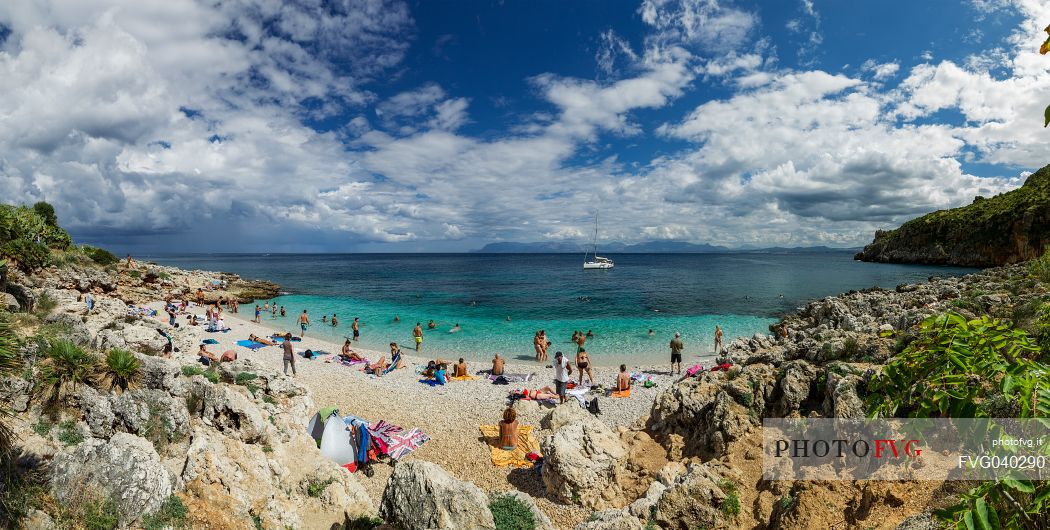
[[595, 235]]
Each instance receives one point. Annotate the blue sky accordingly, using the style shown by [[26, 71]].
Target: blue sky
[[380, 125]]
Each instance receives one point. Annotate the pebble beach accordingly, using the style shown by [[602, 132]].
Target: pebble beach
[[449, 415]]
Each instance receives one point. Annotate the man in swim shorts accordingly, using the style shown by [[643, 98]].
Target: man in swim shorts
[[304, 322], [418, 334], [676, 351], [562, 371], [357, 329]]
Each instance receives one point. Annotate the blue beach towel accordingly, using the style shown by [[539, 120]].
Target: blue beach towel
[[250, 344], [210, 341]]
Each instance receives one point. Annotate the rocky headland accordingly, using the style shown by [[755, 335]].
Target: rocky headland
[[1009, 228]]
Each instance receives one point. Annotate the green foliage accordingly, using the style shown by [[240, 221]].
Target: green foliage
[[121, 369], [191, 370], [68, 433], [257, 522], [850, 347], [363, 523], [315, 488], [43, 426], [99, 513], [46, 212], [731, 504], [172, 514], [10, 363], [66, 366], [44, 305], [1039, 268], [212, 375], [954, 366], [99, 255], [29, 255], [135, 273], [510, 513], [972, 369], [786, 501]]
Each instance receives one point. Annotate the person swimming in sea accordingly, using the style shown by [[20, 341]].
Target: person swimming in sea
[[431, 325], [652, 333], [397, 318], [455, 329]]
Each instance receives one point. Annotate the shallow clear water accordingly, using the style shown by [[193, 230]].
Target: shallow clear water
[[689, 293]]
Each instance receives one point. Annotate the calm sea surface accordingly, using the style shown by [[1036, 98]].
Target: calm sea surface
[[689, 293]]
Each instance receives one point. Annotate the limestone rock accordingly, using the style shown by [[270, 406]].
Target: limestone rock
[[421, 495], [794, 387], [159, 373], [16, 392], [841, 399], [126, 468], [143, 411], [565, 414], [693, 502], [38, 520], [8, 302], [611, 520], [98, 412], [581, 460], [144, 339], [223, 408]]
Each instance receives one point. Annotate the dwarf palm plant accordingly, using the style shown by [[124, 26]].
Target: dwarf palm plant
[[9, 363], [121, 369], [66, 366]]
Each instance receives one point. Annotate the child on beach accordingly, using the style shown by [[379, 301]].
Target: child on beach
[[441, 374]]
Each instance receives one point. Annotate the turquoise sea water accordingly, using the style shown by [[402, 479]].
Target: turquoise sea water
[[688, 293]]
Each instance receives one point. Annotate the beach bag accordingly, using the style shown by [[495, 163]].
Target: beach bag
[[592, 407], [500, 381]]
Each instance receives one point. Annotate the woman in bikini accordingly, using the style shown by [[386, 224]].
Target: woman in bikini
[[254, 338], [583, 362], [348, 354], [508, 430]]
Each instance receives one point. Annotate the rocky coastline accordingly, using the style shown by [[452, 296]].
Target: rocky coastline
[[234, 451]]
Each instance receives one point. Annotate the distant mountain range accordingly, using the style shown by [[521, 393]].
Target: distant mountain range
[[648, 247]]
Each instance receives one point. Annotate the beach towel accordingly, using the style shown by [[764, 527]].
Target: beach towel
[[393, 441], [251, 344], [621, 393], [464, 378], [500, 458], [694, 369], [210, 341], [513, 378]]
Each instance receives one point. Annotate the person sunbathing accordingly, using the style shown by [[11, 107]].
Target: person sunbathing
[[440, 375], [543, 393], [508, 430], [206, 357], [379, 366], [459, 369], [255, 338], [349, 354], [497, 365], [623, 381]]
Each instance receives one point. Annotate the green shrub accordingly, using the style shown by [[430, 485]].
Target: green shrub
[[972, 369], [135, 273], [10, 363], [121, 369], [66, 366], [172, 514], [191, 370], [362, 523], [1040, 267], [99, 255], [68, 433], [99, 513], [315, 488], [29, 255], [510, 513], [850, 348], [731, 504], [244, 377], [212, 375], [43, 426], [44, 305]]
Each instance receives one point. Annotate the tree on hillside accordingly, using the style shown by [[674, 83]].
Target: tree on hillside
[[46, 212]]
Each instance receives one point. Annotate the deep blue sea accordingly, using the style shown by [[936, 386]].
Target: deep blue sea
[[688, 293]]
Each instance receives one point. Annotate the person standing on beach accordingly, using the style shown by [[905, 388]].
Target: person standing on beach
[[537, 345], [580, 340], [676, 352], [258, 311], [170, 309], [718, 340], [357, 329], [562, 372], [304, 322], [200, 297], [418, 334], [583, 362], [289, 352]]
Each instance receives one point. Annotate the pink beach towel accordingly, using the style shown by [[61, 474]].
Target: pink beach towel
[[694, 369]]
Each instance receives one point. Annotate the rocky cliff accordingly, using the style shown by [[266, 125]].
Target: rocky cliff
[[1008, 228]]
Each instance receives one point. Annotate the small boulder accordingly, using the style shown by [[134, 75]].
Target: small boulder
[[228, 411], [126, 468], [565, 414], [611, 520], [8, 302], [422, 496], [581, 461]]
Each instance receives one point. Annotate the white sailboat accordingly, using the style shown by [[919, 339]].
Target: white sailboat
[[598, 262]]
